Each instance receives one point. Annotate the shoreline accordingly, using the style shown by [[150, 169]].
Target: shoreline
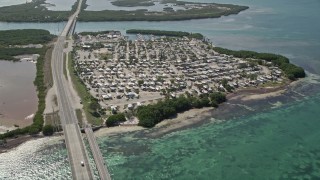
[[196, 117], [260, 92], [44, 15], [187, 119]]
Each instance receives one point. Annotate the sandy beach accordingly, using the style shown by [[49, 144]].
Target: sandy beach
[[256, 94], [195, 116], [182, 120]]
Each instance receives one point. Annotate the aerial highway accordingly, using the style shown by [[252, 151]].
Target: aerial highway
[[77, 154], [101, 167], [73, 139]]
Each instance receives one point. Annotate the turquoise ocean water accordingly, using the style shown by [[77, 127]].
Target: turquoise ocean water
[[265, 143], [276, 138]]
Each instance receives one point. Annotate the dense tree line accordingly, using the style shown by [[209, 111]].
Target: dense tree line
[[9, 53], [292, 71], [24, 37], [132, 3], [143, 15], [48, 130], [93, 33], [32, 12], [165, 33], [115, 119], [152, 114]]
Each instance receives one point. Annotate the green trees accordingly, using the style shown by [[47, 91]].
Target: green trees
[[10, 38], [48, 130], [152, 114], [85, 33], [208, 11], [165, 33], [147, 116], [38, 121], [9, 53], [33, 130], [31, 12], [132, 3], [95, 107], [292, 71], [24, 37], [218, 97], [225, 84], [115, 119]]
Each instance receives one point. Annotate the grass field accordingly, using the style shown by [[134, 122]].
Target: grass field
[[83, 93]]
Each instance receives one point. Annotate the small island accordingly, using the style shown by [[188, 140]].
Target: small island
[[185, 11], [36, 11], [161, 73]]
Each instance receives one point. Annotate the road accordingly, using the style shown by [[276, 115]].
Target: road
[[74, 142], [102, 168], [73, 138]]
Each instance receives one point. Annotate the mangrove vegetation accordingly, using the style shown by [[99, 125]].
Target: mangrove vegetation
[[165, 33], [35, 11], [7, 53], [292, 71], [132, 3], [24, 37], [144, 15], [11, 42], [38, 121], [152, 114]]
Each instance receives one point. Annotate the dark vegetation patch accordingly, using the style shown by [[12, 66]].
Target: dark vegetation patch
[[165, 33], [292, 71], [213, 11], [132, 3], [39, 82], [24, 37], [34, 11], [152, 114]]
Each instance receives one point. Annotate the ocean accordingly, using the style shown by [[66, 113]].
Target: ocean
[[275, 138]]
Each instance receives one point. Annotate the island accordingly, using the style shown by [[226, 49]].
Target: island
[[152, 77], [36, 11]]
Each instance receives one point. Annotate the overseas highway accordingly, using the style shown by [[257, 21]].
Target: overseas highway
[[77, 154], [69, 122]]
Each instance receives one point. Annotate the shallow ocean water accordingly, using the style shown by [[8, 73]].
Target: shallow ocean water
[[44, 158], [278, 143]]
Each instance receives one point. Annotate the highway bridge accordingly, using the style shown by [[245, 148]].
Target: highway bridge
[[77, 154]]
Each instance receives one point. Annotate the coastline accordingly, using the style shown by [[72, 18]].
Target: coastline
[[259, 92], [43, 15], [182, 120], [194, 117], [187, 119]]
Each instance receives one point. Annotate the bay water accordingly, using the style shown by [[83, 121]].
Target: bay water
[[275, 138], [11, 2]]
